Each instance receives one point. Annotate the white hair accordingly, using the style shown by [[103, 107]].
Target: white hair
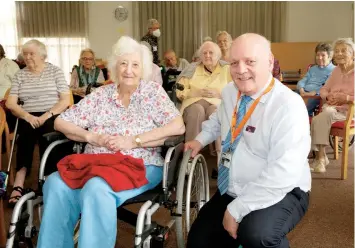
[[42, 50], [346, 41], [127, 45], [207, 38], [216, 50], [151, 22], [219, 33]]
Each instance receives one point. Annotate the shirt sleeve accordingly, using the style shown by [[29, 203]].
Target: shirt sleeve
[[15, 85], [183, 94], [62, 86], [83, 113], [157, 77], [13, 68], [289, 147], [162, 108], [302, 83], [211, 128], [324, 91]]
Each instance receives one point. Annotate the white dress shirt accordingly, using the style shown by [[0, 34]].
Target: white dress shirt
[[271, 160], [156, 75]]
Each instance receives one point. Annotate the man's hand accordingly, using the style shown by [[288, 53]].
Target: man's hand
[[302, 92], [116, 143], [99, 140], [230, 225], [34, 121], [194, 145], [211, 93]]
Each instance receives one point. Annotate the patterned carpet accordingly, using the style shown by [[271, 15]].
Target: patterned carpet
[[329, 223]]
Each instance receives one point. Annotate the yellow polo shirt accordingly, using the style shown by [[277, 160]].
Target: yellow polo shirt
[[201, 79]]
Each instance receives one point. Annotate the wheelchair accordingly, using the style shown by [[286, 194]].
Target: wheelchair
[[183, 191]]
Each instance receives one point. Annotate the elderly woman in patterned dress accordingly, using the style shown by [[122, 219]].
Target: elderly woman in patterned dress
[[132, 116]]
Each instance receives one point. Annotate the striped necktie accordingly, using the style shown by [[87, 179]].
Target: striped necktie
[[223, 171]]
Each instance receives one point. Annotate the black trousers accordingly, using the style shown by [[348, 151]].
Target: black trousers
[[259, 229], [27, 139]]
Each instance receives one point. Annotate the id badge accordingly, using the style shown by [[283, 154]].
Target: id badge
[[226, 159], [155, 48]]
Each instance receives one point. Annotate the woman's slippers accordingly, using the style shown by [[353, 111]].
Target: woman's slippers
[[16, 197]]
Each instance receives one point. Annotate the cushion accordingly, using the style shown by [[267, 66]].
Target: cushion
[[340, 124]]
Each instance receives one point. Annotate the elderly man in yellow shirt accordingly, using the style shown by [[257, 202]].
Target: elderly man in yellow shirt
[[203, 82]]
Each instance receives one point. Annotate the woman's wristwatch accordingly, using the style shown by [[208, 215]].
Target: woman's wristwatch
[[138, 141]]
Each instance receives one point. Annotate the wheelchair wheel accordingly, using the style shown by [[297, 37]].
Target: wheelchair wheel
[[340, 142], [192, 193]]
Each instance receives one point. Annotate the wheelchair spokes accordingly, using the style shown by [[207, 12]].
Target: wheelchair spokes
[[340, 142]]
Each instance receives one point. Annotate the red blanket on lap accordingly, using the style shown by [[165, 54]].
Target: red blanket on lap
[[121, 172]]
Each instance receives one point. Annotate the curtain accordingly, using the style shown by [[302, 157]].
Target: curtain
[[8, 33], [265, 18], [61, 26], [180, 25], [184, 24]]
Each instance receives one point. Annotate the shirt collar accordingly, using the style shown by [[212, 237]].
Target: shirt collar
[[200, 70], [257, 94], [133, 98]]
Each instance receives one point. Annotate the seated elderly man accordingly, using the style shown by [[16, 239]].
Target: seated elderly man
[[203, 83], [130, 117], [337, 92], [45, 93], [317, 75], [224, 41], [172, 62]]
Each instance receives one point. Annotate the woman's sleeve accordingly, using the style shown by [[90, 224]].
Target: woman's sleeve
[[83, 113], [324, 91], [62, 86], [183, 94], [162, 108]]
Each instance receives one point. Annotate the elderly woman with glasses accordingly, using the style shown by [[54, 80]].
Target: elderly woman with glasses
[[337, 92], [85, 74], [45, 93], [131, 116]]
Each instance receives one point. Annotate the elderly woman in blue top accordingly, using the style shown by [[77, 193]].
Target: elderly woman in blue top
[[317, 75]]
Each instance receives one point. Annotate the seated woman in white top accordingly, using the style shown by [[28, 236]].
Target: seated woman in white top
[[8, 68]]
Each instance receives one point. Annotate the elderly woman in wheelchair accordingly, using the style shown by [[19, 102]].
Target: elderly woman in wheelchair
[[131, 116]]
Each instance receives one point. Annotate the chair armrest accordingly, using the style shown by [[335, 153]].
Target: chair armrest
[[174, 140], [350, 115], [53, 136]]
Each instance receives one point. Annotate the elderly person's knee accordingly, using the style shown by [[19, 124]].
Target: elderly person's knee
[[96, 188], [258, 237], [210, 110], [194, 111], [55, 184]]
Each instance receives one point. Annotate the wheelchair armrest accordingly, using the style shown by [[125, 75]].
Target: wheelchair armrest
[[53, 136], [174, 140]]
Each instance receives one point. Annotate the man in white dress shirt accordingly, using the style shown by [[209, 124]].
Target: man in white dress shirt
[[263, 178]]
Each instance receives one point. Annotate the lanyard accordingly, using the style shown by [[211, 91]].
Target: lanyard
[[236, 130]]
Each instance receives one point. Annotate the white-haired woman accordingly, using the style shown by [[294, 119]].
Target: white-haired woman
[[337, 92], [45, 93], [131, 116], [224, 41], [86, 73], [203, 82]]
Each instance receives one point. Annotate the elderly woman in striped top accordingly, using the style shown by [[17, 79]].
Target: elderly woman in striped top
[[45, 93]]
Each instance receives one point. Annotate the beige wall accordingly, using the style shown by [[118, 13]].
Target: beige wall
[[319, 21], [306, 22], [104, 29]]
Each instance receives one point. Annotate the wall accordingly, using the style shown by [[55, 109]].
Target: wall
[[104, 29], [319, 21], [306, 22]]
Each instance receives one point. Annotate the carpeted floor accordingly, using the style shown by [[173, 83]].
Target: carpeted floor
[[329, 222]]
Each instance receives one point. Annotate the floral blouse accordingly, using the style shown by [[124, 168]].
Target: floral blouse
[[102, 112]]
